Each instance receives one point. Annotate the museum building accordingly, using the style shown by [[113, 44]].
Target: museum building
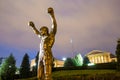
[[97, 56], [57, 63]]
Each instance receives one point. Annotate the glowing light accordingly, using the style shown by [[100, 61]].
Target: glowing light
[[34, 64], [10, 66], [71, 41], [91, 64], [63, 58]]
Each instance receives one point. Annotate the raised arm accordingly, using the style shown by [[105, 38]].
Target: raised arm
[[34, 28], [54, 23]]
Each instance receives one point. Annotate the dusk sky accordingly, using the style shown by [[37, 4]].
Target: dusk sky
[[90, 24]]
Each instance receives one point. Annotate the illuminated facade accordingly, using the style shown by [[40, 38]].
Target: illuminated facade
[[32, 64], [97, 56], [57, 63]]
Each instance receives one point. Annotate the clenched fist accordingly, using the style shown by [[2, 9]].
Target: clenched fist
[[31, 24], [50, 10]]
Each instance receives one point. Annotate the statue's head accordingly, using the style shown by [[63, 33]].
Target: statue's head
[[44, 31]]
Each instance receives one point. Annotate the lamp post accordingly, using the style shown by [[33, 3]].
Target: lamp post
[[72, 48]]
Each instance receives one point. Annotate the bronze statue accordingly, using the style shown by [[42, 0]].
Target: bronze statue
[[46, 42]]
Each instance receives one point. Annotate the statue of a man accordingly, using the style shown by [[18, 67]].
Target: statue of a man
[[46, 42]]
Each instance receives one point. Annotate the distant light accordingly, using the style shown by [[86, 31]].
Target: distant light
[[91, 64], [63, 58], [10, 66], [71, 41], [17, 72], [34, 64]]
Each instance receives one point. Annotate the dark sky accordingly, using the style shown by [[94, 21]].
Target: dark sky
[[90, 24]]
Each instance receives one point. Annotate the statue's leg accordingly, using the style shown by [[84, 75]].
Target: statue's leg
[[38, 70], [40, 74], [48, 69]]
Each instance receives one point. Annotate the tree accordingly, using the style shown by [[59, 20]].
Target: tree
[[118, 54], [36, 60], [68, 62], [8, 68], [78, 60], [86, 61], [25, 67], [34, 68]]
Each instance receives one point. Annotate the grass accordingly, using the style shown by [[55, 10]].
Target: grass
[[33, 78], [86, 75], [72, 73], [81, 72], [77, 74]]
